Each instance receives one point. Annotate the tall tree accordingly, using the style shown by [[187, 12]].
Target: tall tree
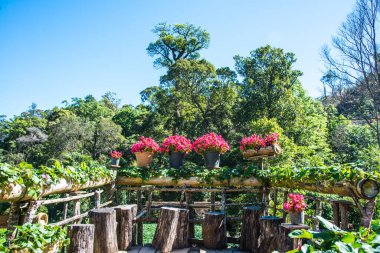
[[353, 72]]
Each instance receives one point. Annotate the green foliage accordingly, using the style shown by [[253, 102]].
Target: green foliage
[[333, 239], [34, 238]]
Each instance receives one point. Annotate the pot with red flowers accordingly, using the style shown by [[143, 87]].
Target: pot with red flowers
[[295, 207], [115, 157], [256, 145], [144, 151], [176, 147], [211, 146]]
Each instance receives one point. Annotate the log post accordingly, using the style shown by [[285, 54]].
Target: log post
[[318, 212], [269, 233], [284, 213], [125, 216], [343, 207], [31, 213], [250, 229], [285, 243], [65, 207], [336, 212], [213, 231], [275, 193], [192, 213], [76, 210], [97, 199], [139, 224], [13, 219], [105, 239], [172, 229], [212, 197], [81, 238]]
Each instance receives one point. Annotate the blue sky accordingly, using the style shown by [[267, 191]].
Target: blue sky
[[51, 51]]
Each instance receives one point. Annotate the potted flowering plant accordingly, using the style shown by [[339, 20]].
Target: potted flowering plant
[[250, 146], [144, 150], [176, 146], [211, 146], [295, 207], [115, 157]]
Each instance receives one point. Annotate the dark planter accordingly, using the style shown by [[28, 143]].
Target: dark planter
[[176, 159], [212, 160], [115, 162], [297, 218]]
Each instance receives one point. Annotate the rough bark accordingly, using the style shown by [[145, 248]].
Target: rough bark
[[285, 243], [269, 233], [172, 229], [126, 231], [213, 231], [81, 238], [105, 237], [250, 229]]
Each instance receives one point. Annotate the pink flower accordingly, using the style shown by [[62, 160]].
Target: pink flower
[[145, 144], [295, 204], [176, 143], [210, 142], [115, 154]]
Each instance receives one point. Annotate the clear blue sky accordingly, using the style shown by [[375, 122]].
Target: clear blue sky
[[53, 50]]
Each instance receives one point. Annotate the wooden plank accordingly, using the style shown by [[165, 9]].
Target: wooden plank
[[134, 249]]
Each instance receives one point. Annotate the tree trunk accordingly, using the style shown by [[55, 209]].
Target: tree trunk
[[250, 229], [81, 238], [105, 238], [172, 229], [126, 231], [213, 231], [269, 234], [285, 243]]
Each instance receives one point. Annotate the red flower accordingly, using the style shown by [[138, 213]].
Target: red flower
[[145, 144], [252, 142], [210, 142], [296, 204], [116, 154], [176, 143]]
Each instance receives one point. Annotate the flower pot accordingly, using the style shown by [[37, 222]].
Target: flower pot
[[212, 160], [176, 159], [266, 151], [297, 218], [115, 161], [250, 153], [144, 159]]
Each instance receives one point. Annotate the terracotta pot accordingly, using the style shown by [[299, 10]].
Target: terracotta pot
[[212, 160], [297, 218], [176, 159], [144, 159], [115, 161]]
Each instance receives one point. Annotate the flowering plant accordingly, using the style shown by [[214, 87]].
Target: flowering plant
[[271, 139], [296, 204], [252, 142], [176, 143], [116, 154], [210, 142], [145, 144]]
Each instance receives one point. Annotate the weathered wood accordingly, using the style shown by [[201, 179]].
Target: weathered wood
[[318, 212], [250, 229], [212, 201], [336, 213], [76, 206], [343, 207], [172, 229], [105, 238], [13, 219], [213, 231], [285, 243], [269, 233], [192, 214], [125, 216], [284, 213], [139, 224], [66, 198], [81, 238], [31, 213]]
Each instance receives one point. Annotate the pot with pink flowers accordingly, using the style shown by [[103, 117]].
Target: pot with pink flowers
[[115, 157], [295, 207], [176, 147], [144, 151], [256, 145], [211, 146]]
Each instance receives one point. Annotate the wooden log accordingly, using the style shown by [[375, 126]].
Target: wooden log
[[213, 231], [125, 215], [285, 243], [140, 226], [269, 233], [336, 212], [81, 238], [250, 229], [105, 239], [172, 229]]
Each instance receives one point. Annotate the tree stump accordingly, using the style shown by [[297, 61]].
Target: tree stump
[[269, 233], [250, 229], [285, 242], [81, 238], [213, 231], [172, 229], [105, 239], [126, 232]]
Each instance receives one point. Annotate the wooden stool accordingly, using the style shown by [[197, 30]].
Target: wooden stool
[[269, 233], [81, 238], [287, 243], [250, 229], [172, 229], [126, 232], [213, 231], [105, 239]]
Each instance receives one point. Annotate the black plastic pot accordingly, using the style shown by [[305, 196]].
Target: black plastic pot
[[212, 160], [115, 161], [176, 159]]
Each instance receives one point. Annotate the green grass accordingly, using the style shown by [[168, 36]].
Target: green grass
[[150, 228]]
